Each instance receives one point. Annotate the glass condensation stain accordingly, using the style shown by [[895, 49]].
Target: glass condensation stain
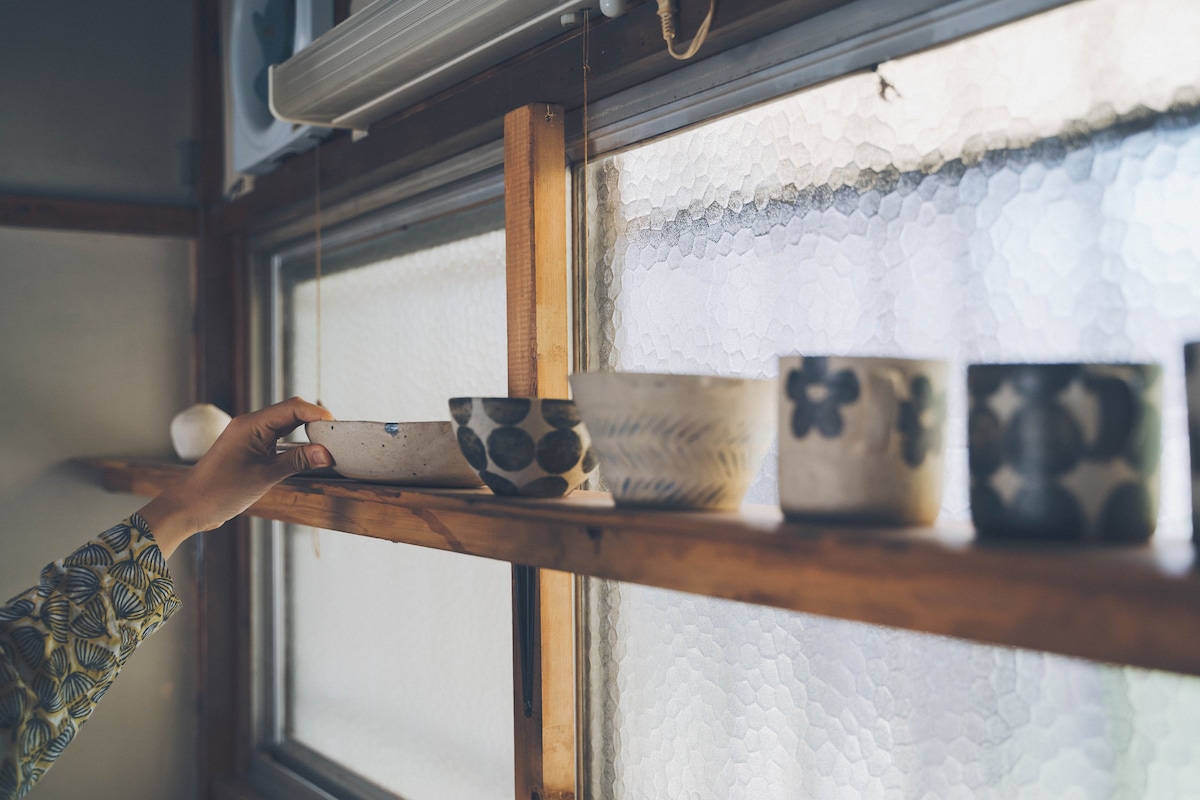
[[1030, 193]]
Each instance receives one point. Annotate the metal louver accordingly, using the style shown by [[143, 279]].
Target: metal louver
[[394, 53]]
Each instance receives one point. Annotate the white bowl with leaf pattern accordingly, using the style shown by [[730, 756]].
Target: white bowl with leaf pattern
[[677, 441]]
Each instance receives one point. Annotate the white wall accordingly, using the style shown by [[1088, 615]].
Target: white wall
[[96, 99], [94, 355], [94, 343]]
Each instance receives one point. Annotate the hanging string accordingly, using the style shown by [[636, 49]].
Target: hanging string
[[315, 536], [317, 255], [666, 13], [587, 68]]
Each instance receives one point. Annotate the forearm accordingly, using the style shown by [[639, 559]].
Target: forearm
[[63, 642]]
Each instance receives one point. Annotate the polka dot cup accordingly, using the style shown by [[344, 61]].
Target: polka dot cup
[[522, 446], [1065, 451]]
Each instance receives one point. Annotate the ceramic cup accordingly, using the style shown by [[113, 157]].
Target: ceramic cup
[[1191, 374], [861, 439], [1064, 451], [677, 441], [524, 446]]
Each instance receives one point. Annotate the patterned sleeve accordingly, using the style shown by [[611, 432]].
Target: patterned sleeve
[[63, 642]]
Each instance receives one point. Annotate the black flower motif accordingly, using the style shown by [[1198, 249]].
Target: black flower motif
[[817, 395], [920, 421]]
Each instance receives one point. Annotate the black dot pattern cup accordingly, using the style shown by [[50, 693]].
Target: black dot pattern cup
[[1065, 451], [521, 446]]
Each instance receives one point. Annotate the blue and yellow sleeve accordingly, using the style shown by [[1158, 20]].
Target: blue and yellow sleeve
[[63, 642]]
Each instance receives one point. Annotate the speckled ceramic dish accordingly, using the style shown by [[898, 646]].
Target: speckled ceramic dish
[[522, 446], [405, 453]]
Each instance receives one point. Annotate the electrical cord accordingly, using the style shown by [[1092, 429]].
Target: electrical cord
[[666, 13]]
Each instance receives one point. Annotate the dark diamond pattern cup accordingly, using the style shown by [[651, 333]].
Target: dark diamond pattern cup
[[1064, 451], [1191, 376]]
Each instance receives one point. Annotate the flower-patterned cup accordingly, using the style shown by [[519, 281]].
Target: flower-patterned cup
[[861, 439], [1064, 451], [1191, 377]]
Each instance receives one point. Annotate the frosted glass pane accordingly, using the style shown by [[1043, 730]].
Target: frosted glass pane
[[399, 658], [699, 698], [401, 665], [402, 333], [1028, 193]]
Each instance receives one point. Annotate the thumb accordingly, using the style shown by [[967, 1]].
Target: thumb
[[300, 459]]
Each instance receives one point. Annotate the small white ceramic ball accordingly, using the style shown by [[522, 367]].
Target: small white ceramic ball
[[195, 429]]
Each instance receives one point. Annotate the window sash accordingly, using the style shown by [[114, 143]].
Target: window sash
[[279, 766], [847, 39]]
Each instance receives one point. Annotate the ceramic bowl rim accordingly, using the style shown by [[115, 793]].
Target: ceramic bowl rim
[[867, 357], [359, 427], [531, 399], [372, 422], [671, 377], [1061, 364]]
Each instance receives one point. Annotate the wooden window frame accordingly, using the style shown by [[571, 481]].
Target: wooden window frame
[[532, 102], [1133, 602]]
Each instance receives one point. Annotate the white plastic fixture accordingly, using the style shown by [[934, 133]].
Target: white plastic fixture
[[263, 32], [394, 53]]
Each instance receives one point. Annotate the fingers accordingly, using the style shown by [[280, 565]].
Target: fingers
[[300, 459], [283, 418]]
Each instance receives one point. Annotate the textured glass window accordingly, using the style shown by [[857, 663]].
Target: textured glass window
[[399, 658], [1032, 192]]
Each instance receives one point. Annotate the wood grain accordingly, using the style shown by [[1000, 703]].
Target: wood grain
[[1133, 605], [557, 614], [535, 197], [535, 223], [225, 738]]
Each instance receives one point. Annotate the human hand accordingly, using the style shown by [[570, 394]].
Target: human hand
[[239, 469]]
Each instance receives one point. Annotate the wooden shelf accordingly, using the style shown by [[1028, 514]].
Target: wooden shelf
[[1128, 605]]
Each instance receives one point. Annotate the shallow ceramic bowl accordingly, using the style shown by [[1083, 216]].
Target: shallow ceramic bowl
[[524, 446], [677, 441], [405, 453]]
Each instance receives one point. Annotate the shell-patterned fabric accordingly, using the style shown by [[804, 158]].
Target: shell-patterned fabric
[[63, 642]]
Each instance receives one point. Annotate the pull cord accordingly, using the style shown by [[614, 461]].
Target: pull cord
[[666, 13]]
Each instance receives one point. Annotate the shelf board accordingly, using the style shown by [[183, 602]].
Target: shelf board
[[1133, 605]]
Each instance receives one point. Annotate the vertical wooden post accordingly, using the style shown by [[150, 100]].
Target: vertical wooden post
[[218, 352], [535, 207], [536, 230]]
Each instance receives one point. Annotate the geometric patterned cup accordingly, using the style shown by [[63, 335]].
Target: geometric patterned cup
[[521, 446], [1191, 372], [861, 439], [1065, 451]]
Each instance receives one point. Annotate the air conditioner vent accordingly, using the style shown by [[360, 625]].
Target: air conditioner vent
[[395, 53], [261, 33]]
